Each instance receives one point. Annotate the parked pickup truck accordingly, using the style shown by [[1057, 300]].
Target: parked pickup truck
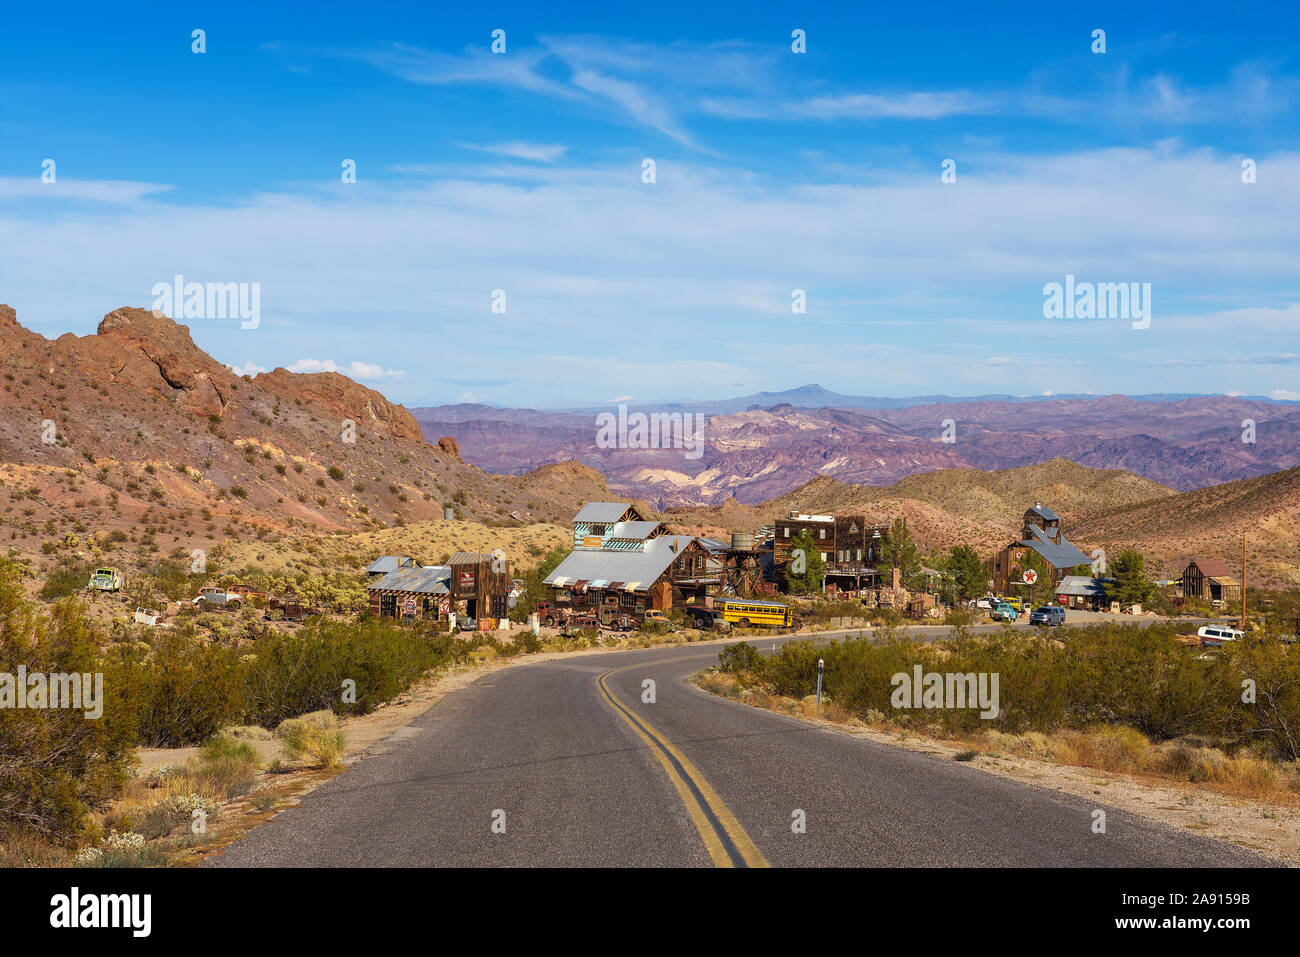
[[218, 597], [620, 621], [105, 579], [1047, 615], [1003, 611], [576, 623], [657, 617], [551, 614], [709, 619]]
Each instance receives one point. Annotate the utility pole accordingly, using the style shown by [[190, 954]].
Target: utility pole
[[1243, 581]]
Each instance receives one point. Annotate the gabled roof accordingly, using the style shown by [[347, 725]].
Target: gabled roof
[[606, 512], [1210, 567], [635, 571], [1045, 513], [1063, 555], [433, 580], [387, 563], [638, 530]]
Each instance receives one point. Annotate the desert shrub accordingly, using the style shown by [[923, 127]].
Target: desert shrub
[[184, 689], [227, 765], [316, 736], [56, 765], [1139, 682], [292, 674], [65, 580], [738, 659]]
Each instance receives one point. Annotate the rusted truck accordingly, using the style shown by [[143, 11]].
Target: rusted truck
[[105, 579]]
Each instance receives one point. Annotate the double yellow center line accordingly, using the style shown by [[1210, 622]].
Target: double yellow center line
[[725, 840]]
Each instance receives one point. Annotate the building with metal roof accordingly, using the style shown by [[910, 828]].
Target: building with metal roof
[[1042, 534], [387, 563], [412, 592], [1208, 579], [609, 513], [1081, 591]]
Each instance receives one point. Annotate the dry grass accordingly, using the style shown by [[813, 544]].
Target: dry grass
[[315, 737], [427, 542]]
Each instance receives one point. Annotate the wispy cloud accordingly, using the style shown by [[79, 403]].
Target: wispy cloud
[[538, 152], [96, 190]]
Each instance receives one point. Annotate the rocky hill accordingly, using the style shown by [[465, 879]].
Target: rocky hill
[[136, 438]]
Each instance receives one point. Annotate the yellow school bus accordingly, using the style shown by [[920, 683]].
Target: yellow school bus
[[747, 612]]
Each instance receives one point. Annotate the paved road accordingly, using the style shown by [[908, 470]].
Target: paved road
[[584, 773]]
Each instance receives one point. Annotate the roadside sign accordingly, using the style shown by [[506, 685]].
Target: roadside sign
[[1031, 576]]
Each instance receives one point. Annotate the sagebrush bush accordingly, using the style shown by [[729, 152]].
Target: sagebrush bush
[[55, 764]]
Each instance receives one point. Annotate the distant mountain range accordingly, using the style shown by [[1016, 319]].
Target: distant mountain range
[[803, 397], [754, 452]]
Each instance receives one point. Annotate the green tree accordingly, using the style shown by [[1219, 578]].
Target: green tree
[[807, 568], [1128, 583], [897, 550], [967, 571]]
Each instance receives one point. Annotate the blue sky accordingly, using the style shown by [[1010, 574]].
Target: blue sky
[[775, 171]]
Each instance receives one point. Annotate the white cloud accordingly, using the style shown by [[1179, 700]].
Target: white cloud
[[248, 368], [366, 371], [538, 152], [403, 270], [96, 190]]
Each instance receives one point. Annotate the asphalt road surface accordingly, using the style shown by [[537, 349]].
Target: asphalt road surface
[[562, 763]]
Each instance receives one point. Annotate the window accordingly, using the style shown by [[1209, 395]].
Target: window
[[786, 530], [821, 533], [598, 530]]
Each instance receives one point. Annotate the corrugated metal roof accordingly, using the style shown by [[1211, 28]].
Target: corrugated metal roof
[[607, 512], [1082, 585], [1045, 513], [1063, 555], [434, 580], [387, 563], [469, 558], [637, 569], [638, 530]]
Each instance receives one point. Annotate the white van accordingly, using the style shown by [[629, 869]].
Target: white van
[[1219, 633]]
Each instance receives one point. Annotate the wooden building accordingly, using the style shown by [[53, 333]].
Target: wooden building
[[1040, 532], [600, 525], [410, 592], [849, 545], [480, 585], [1207, 579], [668, 570]]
